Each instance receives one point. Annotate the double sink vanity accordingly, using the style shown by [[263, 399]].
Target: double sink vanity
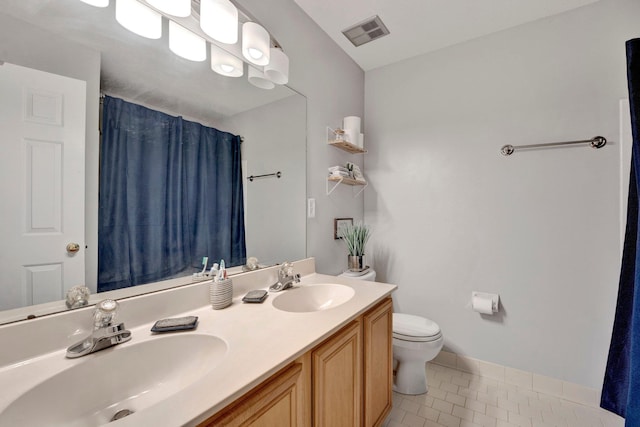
[[316, 354]]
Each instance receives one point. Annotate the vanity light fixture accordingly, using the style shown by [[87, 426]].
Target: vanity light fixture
[[139, 19], [224, 63], [186, 44], [258, 79], [97, 3], [214, 22], [256, 43], [277, 70], [219, 19], [181, 8]]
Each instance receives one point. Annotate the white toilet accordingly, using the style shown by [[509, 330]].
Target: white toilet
[[416, 340]]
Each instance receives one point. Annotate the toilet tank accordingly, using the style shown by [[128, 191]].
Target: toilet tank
[[369, 275]]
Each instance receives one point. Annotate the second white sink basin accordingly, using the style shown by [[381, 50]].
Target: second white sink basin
[[311, 298], [126, 377]]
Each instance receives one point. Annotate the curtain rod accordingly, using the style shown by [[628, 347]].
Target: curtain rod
[[595, 142]]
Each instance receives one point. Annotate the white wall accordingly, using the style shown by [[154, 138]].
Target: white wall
[[274, 140], [334, 87], [452, 215], [29, 46]]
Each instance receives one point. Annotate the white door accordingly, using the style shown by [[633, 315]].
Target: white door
[[42, 137]]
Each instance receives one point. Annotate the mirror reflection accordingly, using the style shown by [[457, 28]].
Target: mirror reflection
[[84, 46]]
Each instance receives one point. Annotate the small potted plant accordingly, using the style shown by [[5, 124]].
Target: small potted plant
[[356, 237]]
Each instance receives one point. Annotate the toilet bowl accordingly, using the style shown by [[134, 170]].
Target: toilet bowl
[[416, 340]]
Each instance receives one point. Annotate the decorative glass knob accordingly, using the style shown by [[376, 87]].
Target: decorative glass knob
[[286, 270], [78, 296], [252, 264], [105, 314]]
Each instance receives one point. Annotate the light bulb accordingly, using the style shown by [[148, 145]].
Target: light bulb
[[224, 63], [219, 19], [255, 43], [255, 53], [258, 79], [139, 19], [186, 44], [181, 8], [277, 70]]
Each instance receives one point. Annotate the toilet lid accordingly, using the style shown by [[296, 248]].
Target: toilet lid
[[409, 326]]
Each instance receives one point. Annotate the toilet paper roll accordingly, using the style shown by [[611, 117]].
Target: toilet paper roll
[[482, 304], [351, 136], [361, 140], [352, 122]]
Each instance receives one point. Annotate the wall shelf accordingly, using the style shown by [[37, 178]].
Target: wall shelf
[[337, 180], [349, 147]]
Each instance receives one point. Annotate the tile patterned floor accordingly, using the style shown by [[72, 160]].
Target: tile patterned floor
[[461, 399]]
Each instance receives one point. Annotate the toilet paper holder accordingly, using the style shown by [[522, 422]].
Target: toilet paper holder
[[484, 296]]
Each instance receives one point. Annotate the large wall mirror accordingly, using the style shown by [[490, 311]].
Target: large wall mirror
[[70, 38]]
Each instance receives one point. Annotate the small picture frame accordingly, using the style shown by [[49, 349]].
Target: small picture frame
[[338, 223]]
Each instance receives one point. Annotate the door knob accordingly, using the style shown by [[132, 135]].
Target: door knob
[[72, 248]]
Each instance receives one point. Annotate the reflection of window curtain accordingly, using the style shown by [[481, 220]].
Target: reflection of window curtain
[[621, 389], [170, 194]]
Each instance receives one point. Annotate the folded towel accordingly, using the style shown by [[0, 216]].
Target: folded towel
[[338, 168], [340, 173]]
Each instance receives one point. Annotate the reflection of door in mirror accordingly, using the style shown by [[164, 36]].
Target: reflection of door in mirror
[[42, 128]]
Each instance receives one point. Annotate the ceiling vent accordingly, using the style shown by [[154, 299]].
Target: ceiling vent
[[366, 31]]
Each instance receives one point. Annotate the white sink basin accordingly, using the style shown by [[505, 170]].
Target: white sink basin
[[129, 376], [310, 298]]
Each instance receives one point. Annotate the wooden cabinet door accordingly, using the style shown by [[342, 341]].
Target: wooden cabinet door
[[378, 363], [279, 402], [337, 379]]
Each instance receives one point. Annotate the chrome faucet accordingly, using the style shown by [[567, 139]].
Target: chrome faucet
[[105, 332], [286, 278]]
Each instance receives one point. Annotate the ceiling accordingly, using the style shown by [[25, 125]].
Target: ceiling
[[141, 70], [420, 26], [149, 74]]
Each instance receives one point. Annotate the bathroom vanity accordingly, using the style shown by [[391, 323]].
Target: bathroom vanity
[[317, 354], [344, 381]]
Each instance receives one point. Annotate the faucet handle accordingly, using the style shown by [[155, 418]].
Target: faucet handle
[[78, 296], [286, 270], [105, 313]]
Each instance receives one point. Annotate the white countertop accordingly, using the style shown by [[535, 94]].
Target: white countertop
[[260, 341]]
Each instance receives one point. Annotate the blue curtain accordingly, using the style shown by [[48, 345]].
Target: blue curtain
[[621, 389], [170, 194]]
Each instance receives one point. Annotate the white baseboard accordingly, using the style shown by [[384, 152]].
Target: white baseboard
[[525, 380]]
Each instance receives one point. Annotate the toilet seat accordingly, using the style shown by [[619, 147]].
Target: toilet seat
[[407, 327], [416, 339]]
